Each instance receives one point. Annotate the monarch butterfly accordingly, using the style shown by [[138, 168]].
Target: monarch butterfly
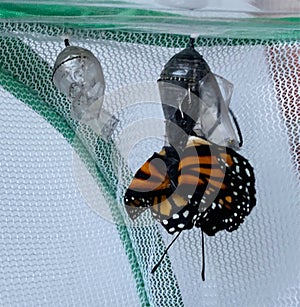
[[209, 186], [195, 182]]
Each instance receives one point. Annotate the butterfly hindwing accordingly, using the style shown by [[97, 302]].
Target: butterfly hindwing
[[148, 187], [234, 200]]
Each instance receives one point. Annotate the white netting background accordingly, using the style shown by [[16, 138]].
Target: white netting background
[[56, 251], [51, 247]]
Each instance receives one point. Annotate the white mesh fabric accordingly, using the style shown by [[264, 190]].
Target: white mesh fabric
[[56, 251]]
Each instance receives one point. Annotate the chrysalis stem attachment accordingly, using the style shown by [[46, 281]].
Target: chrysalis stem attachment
[[163, 255], [237, 128], [67, 42], [192, 42], [203, 258]]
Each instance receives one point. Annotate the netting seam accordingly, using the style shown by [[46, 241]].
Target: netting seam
[[133, 36], [285, 73]]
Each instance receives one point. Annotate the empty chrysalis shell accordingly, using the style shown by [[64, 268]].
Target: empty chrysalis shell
[[78, 74], [195, 101]]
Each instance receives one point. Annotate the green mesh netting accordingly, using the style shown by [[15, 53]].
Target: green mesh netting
[[65, 238]]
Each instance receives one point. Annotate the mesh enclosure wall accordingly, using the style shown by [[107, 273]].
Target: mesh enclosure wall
[[65, 237]]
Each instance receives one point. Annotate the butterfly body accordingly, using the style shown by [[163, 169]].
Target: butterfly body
[[206, 186]]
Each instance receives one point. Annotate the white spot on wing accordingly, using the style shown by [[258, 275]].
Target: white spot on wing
[[247, 172], [186, 213]]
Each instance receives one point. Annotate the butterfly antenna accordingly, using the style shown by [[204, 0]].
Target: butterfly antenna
[[163, 255], [237, 128], [203, 257]]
